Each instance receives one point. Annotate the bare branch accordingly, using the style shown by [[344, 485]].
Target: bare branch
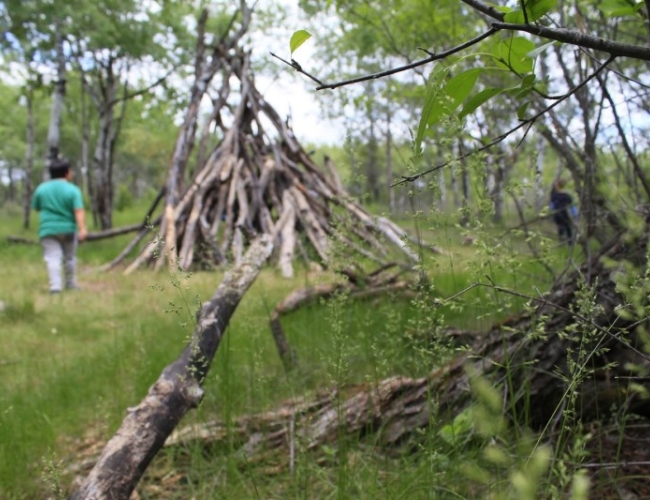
[[399, 69], [298, 68], [626, 145], [128, 96]]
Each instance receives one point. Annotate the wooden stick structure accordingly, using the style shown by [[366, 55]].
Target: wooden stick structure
[[256, 179]]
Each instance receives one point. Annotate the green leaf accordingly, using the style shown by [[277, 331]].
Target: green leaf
[[528, 80], [478, 100], [535, 10], [521, 110], [459, 87], [536, 52], [513, 53], [297, 39], [429, 111], [619, 8]]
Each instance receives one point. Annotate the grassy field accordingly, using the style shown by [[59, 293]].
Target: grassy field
[[71, 364]]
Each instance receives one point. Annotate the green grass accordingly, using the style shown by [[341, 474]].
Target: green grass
[[71, 364]]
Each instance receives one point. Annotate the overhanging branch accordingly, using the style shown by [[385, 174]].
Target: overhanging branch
[[579, 39], [524, 123]]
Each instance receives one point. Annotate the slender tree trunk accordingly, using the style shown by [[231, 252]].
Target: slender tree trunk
[[464, 173], [58, 99], [540, 192], [89, 171], [372, 176], [103, 149], [499, 182], [389, 161], [29, 158], [11, 188]]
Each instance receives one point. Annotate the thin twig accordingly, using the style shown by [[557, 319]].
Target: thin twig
[[294, 64], [399, 69]]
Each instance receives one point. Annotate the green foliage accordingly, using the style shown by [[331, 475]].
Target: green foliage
[[616, 8], [529, 11], [297, 39], [124, 199]]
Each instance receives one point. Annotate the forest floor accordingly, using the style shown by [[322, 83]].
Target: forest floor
[[70, 365]]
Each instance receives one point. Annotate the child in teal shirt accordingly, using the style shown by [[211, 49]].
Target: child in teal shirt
[[61, 224]]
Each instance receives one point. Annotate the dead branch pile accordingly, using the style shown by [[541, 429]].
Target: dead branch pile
[[256, 179]]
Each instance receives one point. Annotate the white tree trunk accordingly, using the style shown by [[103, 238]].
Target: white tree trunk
[[58, 99]]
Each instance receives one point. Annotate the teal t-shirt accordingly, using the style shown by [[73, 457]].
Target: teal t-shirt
[[56, 200]]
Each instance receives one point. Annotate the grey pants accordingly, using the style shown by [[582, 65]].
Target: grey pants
[[58, 250]]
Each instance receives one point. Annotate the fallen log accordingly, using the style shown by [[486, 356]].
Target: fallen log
[[531, 358], [178, 389], [92, 236]]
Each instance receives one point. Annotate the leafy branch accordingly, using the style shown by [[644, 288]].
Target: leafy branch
[[524, 123]]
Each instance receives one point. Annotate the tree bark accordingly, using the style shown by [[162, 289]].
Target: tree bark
[[178, 389]]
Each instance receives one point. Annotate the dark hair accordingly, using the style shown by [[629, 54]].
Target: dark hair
[[59, 168]]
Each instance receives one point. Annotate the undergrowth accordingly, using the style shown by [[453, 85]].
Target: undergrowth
[[72, 364]]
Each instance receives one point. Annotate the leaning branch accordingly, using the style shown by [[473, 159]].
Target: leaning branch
[[178, 389], [94, 236]]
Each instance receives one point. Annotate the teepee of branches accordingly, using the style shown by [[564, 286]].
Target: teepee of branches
[[257, 179]]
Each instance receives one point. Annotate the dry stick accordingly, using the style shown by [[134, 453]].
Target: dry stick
[[218, 213], [358, 248], [150, 250], [127, 250], [230, 202], [238, 238], [145, 227], [313, 228], [334, 174], [178, 389], [186, 253], [286, 228], [94, 236]]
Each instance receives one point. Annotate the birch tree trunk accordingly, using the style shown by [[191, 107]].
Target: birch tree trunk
[[58, 99], [29, 157], [540, 198], [389, 162]]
